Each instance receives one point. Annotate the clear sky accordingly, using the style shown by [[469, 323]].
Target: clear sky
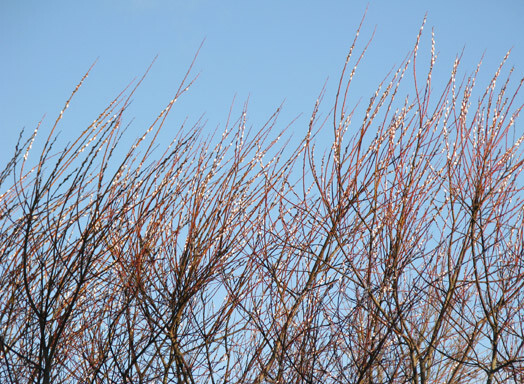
[[268, 50]]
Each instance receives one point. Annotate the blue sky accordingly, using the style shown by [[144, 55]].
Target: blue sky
[[269, 51]]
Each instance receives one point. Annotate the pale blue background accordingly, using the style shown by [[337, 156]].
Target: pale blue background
[[268, 50]]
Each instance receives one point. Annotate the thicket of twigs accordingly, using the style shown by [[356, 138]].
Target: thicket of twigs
[[393, 256]]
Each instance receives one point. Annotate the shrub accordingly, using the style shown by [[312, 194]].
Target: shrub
[[393, 256]]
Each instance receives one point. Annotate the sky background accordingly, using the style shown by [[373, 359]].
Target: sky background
[[269, 51]]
